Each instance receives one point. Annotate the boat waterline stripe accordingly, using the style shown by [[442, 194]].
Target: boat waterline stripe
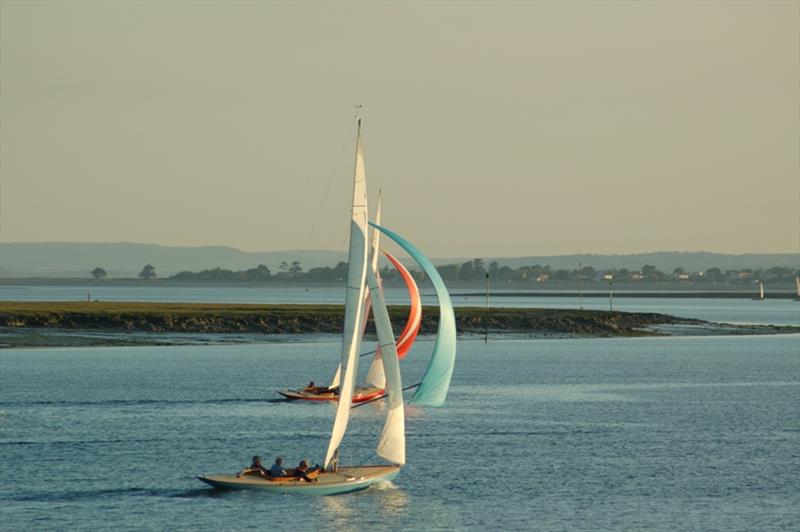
[[383, 396]]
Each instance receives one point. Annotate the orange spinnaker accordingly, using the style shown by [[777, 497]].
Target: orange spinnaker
[[409, 334]]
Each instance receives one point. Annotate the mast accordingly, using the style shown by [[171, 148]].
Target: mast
[[354, 301], [349, 303], [486, 313], [611, 296]]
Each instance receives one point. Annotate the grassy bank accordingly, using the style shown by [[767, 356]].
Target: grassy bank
[[282, 319], [32, 320]]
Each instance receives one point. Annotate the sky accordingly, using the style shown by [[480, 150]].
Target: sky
[[493, 128]]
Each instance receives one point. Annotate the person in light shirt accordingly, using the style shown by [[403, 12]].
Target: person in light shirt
[[277, 469]]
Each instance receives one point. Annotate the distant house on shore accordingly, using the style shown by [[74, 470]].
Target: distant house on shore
[[542, 278]]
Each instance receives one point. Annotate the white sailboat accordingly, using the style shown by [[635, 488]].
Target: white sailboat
[[375, 379], [362, 282], [760, 292]]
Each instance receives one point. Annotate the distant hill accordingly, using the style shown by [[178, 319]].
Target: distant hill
[[67, 259]]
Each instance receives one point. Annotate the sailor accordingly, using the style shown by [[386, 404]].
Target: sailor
[[255, 469], [302, 472], [277, 469]]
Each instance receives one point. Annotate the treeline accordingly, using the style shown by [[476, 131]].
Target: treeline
[[473, 271], [293, 273], [476, 271], [286, 272], [259, 273]]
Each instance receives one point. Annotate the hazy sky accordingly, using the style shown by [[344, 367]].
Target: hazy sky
[[494, 129]]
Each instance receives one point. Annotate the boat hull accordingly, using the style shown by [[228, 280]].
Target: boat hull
[[359, 395], [346, 479]]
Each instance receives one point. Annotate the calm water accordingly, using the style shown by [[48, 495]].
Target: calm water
[[771, 311], [657, 433]]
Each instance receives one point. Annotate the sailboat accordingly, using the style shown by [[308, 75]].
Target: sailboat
[[797, 287], [375, 380], [760, 292], [432, 390]]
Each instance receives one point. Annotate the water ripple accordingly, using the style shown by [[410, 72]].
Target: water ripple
[[143, 402]]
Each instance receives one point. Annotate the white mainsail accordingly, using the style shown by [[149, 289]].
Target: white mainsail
[[349, 304], [392, 443], [376, 376], [760, 290], [354, 301]]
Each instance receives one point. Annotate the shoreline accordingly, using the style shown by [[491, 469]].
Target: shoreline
[[84, 324], [457, 289], [619, 294]]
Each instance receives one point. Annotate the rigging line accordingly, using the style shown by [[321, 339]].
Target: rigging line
[[328, 186], [382, 396], [326, 294]]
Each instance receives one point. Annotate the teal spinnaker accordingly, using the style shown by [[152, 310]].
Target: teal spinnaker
[[432, 391]]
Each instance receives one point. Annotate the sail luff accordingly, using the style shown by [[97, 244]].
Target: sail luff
[[435, 383], [392, 442], [349, 374], [337, 377], [354, 301], [376, 376]]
